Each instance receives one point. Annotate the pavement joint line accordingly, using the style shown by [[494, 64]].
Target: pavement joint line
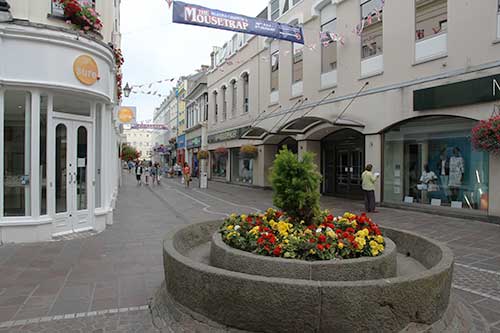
[[472, 291], [13, 323], [203, 204], [478, 269]]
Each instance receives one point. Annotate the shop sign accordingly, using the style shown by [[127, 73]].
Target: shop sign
[[181, 141], [126, 114], [85, 70], [228, 135], [482, 90], [194, 142], [154, 127]]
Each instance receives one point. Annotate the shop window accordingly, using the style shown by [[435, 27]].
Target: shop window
[[431, 18], [241, 168], [219, 165], [329, 52], [431, 161], [72, 105], [372, 34], [43, 154], [275, 70], [17, 153], [246, 101], [297, 70]]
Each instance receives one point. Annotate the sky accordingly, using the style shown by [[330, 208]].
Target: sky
[[155, 49]]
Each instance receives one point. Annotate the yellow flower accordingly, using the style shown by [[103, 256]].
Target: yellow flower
[[374, 252], [230, 227], [283, 228], [361, 242], [308, 232], [233, 216], [312, 251], [302, 222], [373, 244], [243, 216], [255, 230], [379, 239], [286, 241], [354, 224], [273, 224], [340, 245], [331, 234], [363, 233]]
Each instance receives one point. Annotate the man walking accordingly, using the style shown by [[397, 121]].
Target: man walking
[[368, 185], [138, 173]]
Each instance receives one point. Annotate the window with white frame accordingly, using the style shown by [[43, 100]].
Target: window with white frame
[[298, 61], [246, 102], [205, 107], [224, 103], [275, 69], [372, 28], [234, 96], [431, 18], [329, 52], [286, 7], [275, 9], [216, 107]]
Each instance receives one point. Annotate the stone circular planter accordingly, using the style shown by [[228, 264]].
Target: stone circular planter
[[270, 304], [365, 268]]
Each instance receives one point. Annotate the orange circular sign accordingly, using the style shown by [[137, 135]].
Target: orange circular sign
[[85, 69], [125, 115]]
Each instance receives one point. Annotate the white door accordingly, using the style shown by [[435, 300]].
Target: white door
[[72, 176]]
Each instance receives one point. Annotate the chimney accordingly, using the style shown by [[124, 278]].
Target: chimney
[[205, 68], [212, 60]]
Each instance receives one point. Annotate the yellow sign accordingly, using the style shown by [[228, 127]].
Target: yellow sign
[[126, 115], [85, 69]]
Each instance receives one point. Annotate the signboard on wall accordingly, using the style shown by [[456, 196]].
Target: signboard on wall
[[181, 141], [86, 70], [228, 135], [127, 114], [482, 90], [194, 142], [185, 13]]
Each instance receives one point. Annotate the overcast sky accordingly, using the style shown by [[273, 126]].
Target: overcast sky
[[155, 49]]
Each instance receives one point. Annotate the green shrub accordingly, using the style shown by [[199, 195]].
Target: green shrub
[[296, 186]]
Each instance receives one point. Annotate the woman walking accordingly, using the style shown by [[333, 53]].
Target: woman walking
[[368, 185], [138, 173], [187, 174]]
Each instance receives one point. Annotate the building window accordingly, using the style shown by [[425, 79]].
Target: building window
[[372, 33], [275, 9], [17, 153], [43, 154], [298, 60], [329, 52], [246, 100], [234, 88], [275, 70], [219, 165], [241, 168], [224, 103], [205, 107], [286, 6], [216, 107], [431, 161], [431, 18]]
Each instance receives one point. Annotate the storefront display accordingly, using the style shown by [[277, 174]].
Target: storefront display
[[242, 168], [219, 165], [431, 160]]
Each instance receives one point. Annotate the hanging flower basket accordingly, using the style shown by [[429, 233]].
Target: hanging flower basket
[[221, 151], [486, 135], [83, 17], [203, 155], [248, 151]]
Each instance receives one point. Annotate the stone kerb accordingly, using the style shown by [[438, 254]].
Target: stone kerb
[[366, 268], [269, 304]]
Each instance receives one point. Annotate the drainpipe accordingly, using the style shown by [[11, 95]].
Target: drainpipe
[[5, 15]]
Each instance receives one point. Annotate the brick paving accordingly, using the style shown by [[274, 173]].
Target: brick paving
[[122, 266]]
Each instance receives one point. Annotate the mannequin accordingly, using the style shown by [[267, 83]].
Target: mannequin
[[443, 167], [456, 176]]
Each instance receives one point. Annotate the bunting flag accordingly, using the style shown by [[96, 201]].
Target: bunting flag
[[331, 37]]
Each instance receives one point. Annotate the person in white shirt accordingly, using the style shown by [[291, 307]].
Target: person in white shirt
[[428, 179]]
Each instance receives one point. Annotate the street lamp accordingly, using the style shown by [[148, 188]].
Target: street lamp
[[127, 90]]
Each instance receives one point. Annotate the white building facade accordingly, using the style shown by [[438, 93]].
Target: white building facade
[[142, 141], [60, 167], [401, 89]]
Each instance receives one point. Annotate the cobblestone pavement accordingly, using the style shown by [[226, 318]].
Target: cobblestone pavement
[[122, 267]]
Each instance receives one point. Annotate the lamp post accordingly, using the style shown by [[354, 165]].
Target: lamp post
[[127, 90], [5, 14]]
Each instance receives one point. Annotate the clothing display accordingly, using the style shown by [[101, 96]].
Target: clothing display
[[456, 171]]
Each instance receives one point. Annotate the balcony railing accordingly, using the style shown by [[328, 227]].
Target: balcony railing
[[329, 79], [372, 66], [432, 47], [297, 89]]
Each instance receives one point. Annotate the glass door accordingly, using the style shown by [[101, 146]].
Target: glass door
[[72, 142]]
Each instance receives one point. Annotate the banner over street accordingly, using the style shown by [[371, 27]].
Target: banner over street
[[197, 15]]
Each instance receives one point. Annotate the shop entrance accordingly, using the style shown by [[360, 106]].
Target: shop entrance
[[72, 171], [343, 161]]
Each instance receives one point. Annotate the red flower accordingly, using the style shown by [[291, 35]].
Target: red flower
[[322, 238], [320, 247], [345, 234], [312, 240], [350, 230], [330, 217], [338, 231], [311, 227], [249, 219], [277, 251], [278, 214], [327, 246], [267, 248], [355, 244]]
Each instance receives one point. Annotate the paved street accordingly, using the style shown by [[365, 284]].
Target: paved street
[[103, 282]]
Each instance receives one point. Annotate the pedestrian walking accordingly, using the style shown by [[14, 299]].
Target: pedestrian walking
[[138, 173], [147, 172], [187, 174], [154, 173], [368, 185]]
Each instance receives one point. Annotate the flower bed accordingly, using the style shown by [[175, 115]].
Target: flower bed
[[274, 234]]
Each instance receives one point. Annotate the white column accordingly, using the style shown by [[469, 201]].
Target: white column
[[51, 158], [35, 154], [1, 151], [28, 199], [373, 156]]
